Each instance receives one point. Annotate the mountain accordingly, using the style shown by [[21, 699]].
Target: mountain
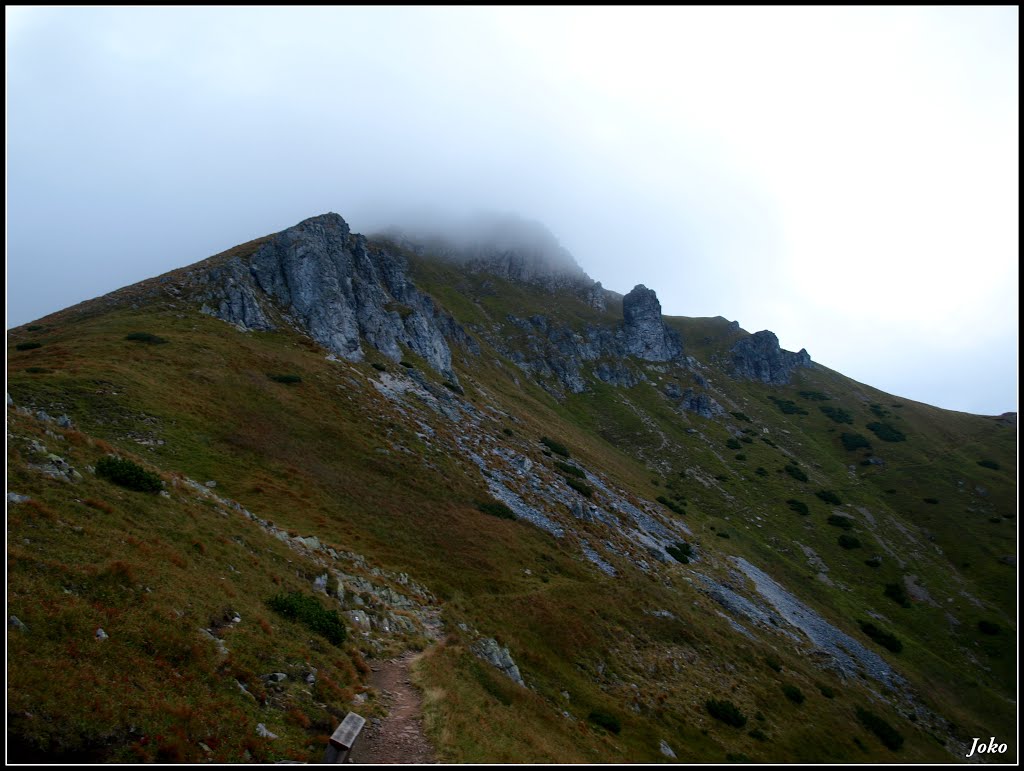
[[236, 489]]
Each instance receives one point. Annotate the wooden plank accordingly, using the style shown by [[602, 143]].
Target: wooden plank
[[345, 735]]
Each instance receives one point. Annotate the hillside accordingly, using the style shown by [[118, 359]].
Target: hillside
[[601, 526]]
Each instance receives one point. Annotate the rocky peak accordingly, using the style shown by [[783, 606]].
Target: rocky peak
[[326, 279], [645, 334], [759, 357]]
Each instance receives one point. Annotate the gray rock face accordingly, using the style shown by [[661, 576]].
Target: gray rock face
[[759, 357], [338, 289], [701, 403], [644, 333], [498, 657]]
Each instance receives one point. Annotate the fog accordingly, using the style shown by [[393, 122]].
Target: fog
[[844, 177]]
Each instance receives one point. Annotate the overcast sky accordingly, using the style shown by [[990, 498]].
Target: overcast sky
[[845, 177]]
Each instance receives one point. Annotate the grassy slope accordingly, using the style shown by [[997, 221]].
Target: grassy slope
[[318, 457]]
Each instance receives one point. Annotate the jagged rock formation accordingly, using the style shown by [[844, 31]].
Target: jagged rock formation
[[644, 333], [338, 289], [759, 357]]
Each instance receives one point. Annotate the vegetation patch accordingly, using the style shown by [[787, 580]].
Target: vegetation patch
[[837, 520], [125, 473], [898, 594], [726, 711], [815, 396], [732, 444], [758, 734], [286, 379], [989, 627], [874, 562], [673, 505], [887, 432], [888, 735], [933, 501], [798, 506], [496, 509], [28, 346], [838, 414], [793, 693], [680, 551], [571, 470], [853, 442], [407, 364], [849, 542], [379, 367], [788, 406], [882, 637], [829, 497], [741, 416], [773, 664], [308, 611], [827, 691], [583, 489], [556, 447], [455, 387], [145, 337], [987, 463], [795, 472], [605, 720]]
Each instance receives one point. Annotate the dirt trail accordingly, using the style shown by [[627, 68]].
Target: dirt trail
[[399, 737]]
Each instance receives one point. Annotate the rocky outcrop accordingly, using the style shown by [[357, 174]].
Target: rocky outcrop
[[333, 285], [759, 357], [498, 657], [644, 334]]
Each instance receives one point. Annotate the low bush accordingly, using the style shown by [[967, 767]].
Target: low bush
[[898, 594], [849, 541], [933, 501], [829, 497], [722, 534], [887, 432], [407, 364], [788, 406], [741, 416], [307, 610], [758, 734], [740, 456], [853, 442], [888, 735], [726, 711], [125, 473], [583, 489], [571, 470], [874, 562], [837, 520], [827, 691], [761, 471], [673, 505], [732, 444], [286, 379], [605, 720], [880, 636], [145, 337], [793, 693], [496, 509], [815, 396], [556, 447], [838, 414], [879, 411], [994, 465], [680, 551], [379, 367], [797, 473], [28, 346], [798, 506], [773, 664], [989, 627], [454, 387], [34, 327]]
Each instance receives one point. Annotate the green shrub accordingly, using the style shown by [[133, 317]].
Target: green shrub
[[287, 379], [933, 501], [874, 562], [827, 691], [605, 720], [145, 337], [898, 594], [571, 470], [732, 444], [28, 346], [726, 711], [994, 465], [798, 506], [508, 432], [849, 541], [989, 627], [788, 407], [378, 366], [556, 447], [880, 636], [837, 520], [454, 387], [38, 370], [768, 441], [407, 364], [496, 509], [740, 456], [793, 693], [889, 736], [722, 534], [741, 416], [680, 551], [815, 396], [879, 411], [797, 473], [758, 734], [887, 432], [124, 472], [583, 489], [829, 497], [677, 508], [853, 442], [746, 440], [307, 610], [838, 414], [34, 327], [761, 471], [773, 664]]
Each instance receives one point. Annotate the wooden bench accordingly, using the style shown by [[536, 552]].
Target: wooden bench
[[344, 738]]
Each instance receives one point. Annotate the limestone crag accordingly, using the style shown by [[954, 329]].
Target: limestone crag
[[644, 333], [338, 289], [759, 357]]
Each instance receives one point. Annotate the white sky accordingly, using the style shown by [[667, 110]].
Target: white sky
[[846, 177]]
